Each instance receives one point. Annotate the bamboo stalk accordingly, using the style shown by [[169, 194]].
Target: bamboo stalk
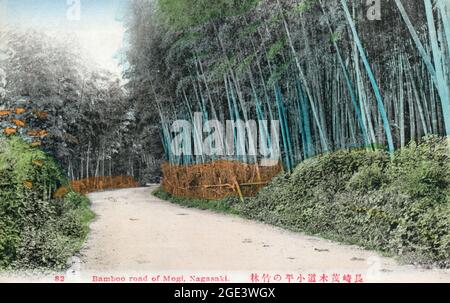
[[381, 108]]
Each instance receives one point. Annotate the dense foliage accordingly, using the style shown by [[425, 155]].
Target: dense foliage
[[399, 206], [36, 230], [189, 13], [337, 74], [94, 128]]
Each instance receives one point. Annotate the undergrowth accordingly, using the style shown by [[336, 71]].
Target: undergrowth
[[37, 231]]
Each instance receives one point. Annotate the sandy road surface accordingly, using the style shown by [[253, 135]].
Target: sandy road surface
[[137, 235], [136, 232]]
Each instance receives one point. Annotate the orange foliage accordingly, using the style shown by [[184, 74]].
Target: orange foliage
[[20, 111], [4, 113], [41, 115], [60, 193], [28, 184], [217, 179], [95, 184], [38, 133], [33, 133], [43, 133], [18, 123], [10, 131], [37, 163]]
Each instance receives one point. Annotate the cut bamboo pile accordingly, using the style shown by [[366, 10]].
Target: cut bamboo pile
[[95, 184], [217, 180]]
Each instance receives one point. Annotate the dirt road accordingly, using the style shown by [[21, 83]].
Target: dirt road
[[136, 232]]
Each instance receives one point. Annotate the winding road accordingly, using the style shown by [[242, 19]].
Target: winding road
[[137, 233]]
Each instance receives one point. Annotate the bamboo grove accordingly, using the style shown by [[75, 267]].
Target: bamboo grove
[[52, 97], [335, 76]]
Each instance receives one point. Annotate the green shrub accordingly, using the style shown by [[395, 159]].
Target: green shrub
[[37, 231], [398, 205], [44, 247], [368, 178]]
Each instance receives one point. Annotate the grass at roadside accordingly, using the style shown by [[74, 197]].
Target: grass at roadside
[[220, 206]]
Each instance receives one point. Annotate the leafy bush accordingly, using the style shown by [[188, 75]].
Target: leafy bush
[[43, 247], [398, 205], [368, 178], [36, 230]]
